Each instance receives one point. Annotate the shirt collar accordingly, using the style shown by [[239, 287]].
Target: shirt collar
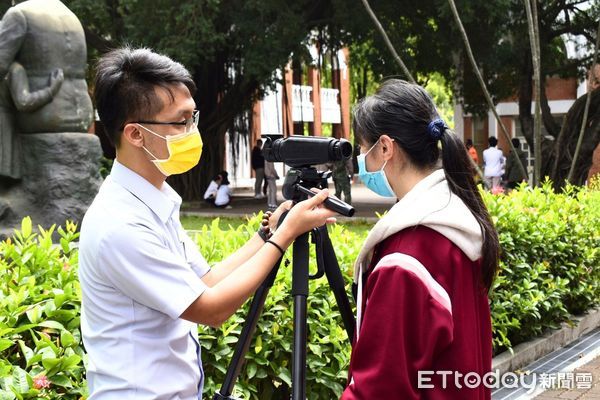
[[162, 202]]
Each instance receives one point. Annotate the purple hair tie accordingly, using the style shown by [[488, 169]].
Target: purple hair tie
[[436, 128]]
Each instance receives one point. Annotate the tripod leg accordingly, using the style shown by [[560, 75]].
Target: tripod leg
[[243, 344], [300, 294], [336, 282]]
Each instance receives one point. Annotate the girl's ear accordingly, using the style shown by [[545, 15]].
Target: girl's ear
[[387, 147]]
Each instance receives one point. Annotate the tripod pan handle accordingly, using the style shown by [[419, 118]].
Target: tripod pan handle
[[332, 203]]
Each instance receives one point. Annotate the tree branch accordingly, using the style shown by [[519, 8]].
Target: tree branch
[[97, 42], [477, 72], [585, 112], [387, 41]]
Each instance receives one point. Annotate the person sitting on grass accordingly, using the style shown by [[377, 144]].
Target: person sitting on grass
[[211, 192], [223, 195]]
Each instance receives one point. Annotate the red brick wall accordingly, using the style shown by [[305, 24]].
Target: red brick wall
[[561, 89], [502, 142], [468, 128], [556, 89]]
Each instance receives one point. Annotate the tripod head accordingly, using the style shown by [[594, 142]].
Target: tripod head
[[297, 184]]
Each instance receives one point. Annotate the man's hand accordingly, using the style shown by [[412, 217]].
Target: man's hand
[[274, 219]]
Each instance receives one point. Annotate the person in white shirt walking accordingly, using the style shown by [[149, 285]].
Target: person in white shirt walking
[[144, 283], [494, 161]]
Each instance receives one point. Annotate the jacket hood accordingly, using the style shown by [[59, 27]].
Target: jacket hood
[[430, 203]]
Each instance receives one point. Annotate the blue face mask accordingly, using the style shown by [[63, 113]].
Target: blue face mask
[[375, 181]]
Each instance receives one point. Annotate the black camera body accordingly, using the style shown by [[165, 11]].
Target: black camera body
[[302, 151]]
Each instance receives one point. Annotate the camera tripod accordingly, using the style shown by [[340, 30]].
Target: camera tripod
[[295, 188]]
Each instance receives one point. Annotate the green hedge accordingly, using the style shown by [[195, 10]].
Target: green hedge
[[550, 261], [549, 269]]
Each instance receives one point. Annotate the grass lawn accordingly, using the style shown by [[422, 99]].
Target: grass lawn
[[196, 223]]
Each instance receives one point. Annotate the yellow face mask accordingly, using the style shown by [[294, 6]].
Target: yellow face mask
[[184, 149]]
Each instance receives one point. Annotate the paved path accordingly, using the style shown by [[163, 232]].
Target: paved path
[[571, 372], [593, 392], [366, 203]]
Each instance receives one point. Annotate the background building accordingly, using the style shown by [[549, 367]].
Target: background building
[[300, 105]]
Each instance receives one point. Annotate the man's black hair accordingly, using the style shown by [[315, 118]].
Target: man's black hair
[[124, 88]]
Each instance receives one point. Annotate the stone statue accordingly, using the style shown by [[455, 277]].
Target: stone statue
[[15, 94], [43, 36], [49, 165]]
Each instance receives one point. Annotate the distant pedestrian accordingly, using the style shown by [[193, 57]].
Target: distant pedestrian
[[258, 165], [493, 161], [472, 151], [271, 176], [514, 175], [342, 175]]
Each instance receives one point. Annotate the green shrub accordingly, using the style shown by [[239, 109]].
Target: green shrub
[[549, 262], [39, 316], [266, 373], [549, 269]]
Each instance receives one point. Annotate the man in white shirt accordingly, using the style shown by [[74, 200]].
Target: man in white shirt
[[493, 160], [144, 283]]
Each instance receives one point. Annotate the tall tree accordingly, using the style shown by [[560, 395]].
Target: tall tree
[[428, 40], [231, 47]]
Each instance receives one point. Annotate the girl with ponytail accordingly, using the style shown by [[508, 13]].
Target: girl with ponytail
[[426, 267]]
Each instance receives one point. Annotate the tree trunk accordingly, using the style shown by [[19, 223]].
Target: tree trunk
[[549, 123], [526, 118], [564, 147], [525, 98], [218, 109]]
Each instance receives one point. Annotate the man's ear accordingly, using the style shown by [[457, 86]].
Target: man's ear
[[133, 135]]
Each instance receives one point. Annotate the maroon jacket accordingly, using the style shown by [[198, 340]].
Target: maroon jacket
[[424, 309]]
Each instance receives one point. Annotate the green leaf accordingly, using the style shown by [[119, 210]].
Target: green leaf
[[67, 339], [61, 380], [50, 363], [26, 351], [285, 376], [34, 315], [5, 344], [6, 395], [52, 325], [26, 226], [251, 370], [20, 381], [70, 362]]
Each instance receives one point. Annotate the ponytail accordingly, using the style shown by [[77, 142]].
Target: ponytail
[[460, 174]]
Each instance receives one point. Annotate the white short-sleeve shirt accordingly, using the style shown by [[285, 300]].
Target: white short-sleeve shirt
[[493, 160], [223, 195], [139, 271], [211, 190]]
